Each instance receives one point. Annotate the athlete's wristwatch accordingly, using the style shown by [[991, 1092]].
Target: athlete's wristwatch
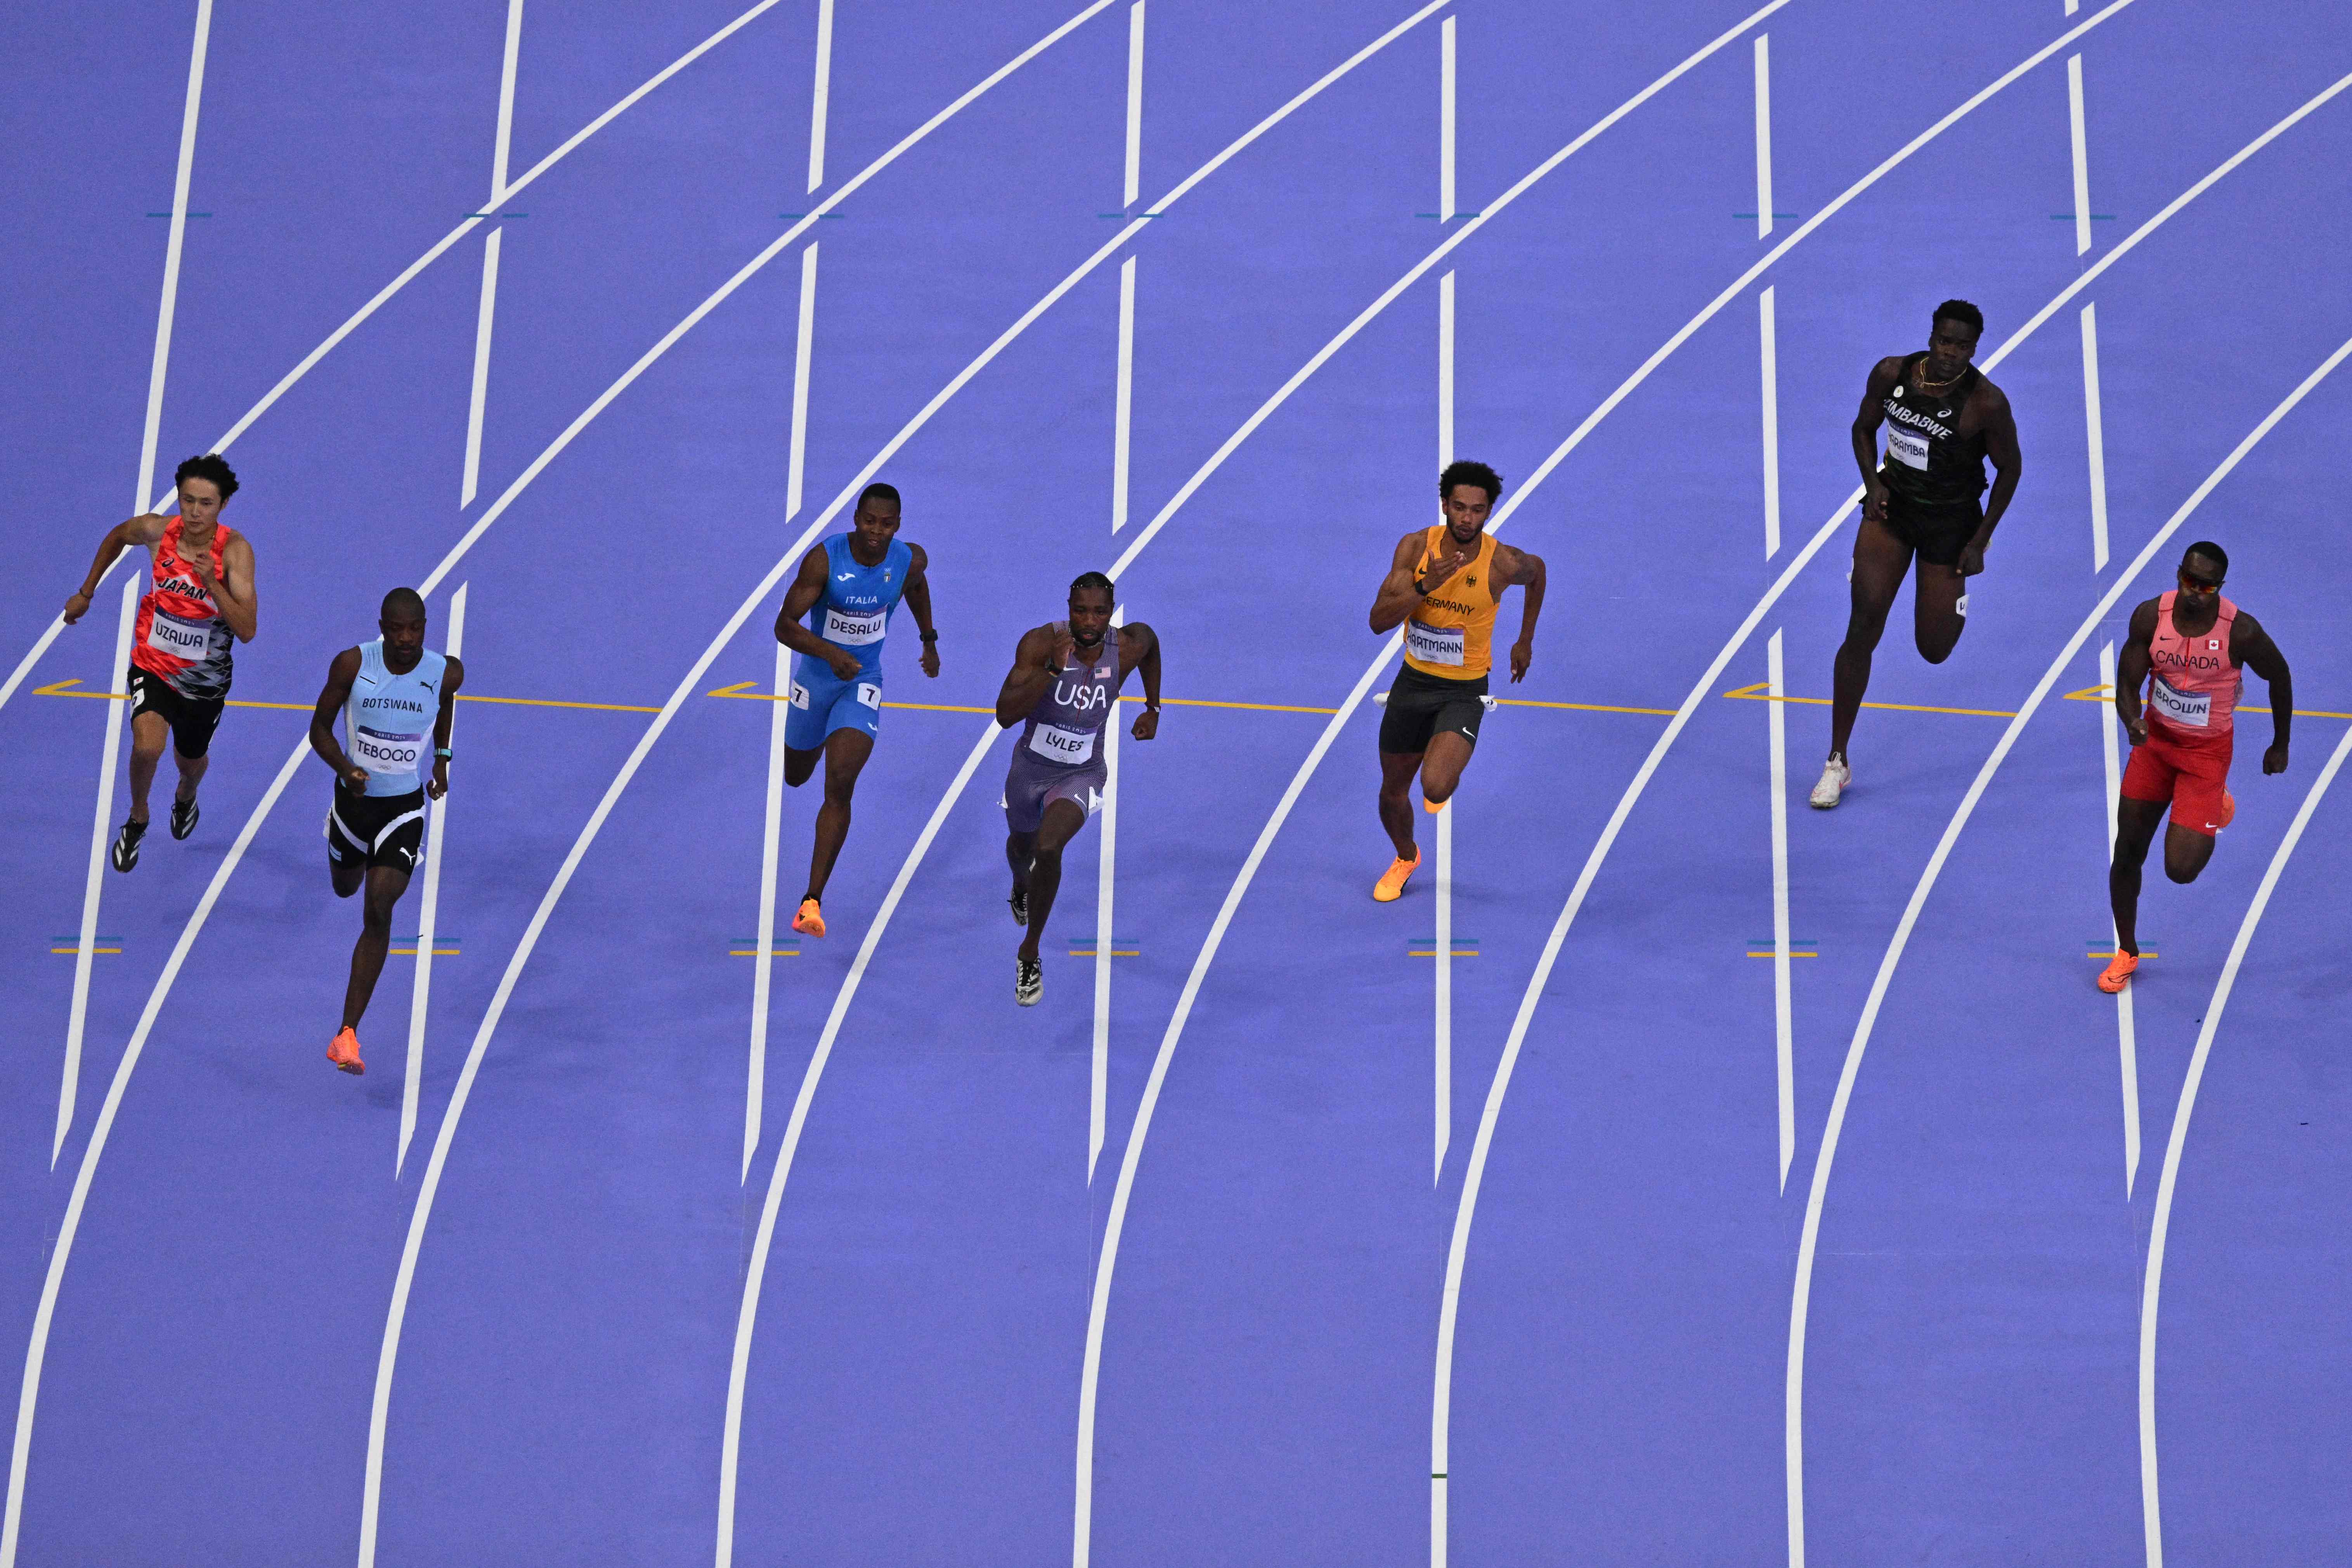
[[1418, 588], [444, 753], [927, 637]]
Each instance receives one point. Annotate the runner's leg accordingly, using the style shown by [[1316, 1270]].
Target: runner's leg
[[1397, 769], [1064, 818], [150, 732], [1879, 562], [192, 773], [1935, 619], [798, 765], [2185, 850], [846, 751], [384, 885], [1019, 849], [2136, 823], [1442, 765]]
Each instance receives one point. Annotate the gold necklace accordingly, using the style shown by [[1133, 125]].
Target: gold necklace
[[1927, 385]]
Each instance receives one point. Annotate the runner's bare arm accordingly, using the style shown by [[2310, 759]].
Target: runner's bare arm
[[144, 529], [1873, 414], [1517, 566], [2007, 467], [1147, 659], [2252, 646], [331, 698], [1032, 672], [808, 586], [2131, 671], [1401, 590], [453, 678], [233, 589], [919, 605]]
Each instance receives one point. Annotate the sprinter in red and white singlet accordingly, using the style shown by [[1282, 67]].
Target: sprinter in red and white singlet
[[198, 604], [2188, 650]]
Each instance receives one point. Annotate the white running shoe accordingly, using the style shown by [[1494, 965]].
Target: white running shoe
[[1028, 980], [1836, 777]]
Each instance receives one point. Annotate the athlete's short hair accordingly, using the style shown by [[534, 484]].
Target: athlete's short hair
[[2211, 552], [209, 466], [877, 490], [1958, 310], [402, 602], [1469, 473], [1092, 580]]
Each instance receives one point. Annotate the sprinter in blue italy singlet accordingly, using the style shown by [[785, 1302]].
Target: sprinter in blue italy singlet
[[835, 618], [383, 724]]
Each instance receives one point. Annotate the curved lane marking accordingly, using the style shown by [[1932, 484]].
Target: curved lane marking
[[2152, 1521]]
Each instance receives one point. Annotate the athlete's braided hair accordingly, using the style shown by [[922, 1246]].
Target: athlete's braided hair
[[1470, 473], [1959, 311], [208, 467], [1092, 580]]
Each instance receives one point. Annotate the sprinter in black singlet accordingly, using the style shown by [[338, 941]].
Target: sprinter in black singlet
[[1943, 420]]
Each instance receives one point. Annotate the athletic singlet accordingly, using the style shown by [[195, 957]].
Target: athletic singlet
[[1068, 719], [2192, 687], [1929, 461], [1451, 633], [180, 635], [854, 611], [388, 720]]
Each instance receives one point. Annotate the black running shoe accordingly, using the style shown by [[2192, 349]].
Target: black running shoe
[[184, 817], [1028, 980], [125, 853], [1020, 902]]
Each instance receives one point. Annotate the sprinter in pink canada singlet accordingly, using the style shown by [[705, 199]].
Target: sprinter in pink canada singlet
[[1065, 684], [2187, 649], [199, 604]]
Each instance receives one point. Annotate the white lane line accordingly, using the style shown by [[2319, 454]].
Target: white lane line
[[1825, 1158], [1444, 945], [2127, 1034], [738, 1369], [309, 361], [36, 1351], [167, 308], [1106, 886], [820, 99], [428, 917], [1123, 414], [803, 349], [479, 398], [2082, 155], [488, 309], [1783, 1022], [1763, 136], [1446, 108], [2151, 1513], [1389, 296], [1134, 182], [2095, 430], [1106, 1260], [1768, 337], [755, 1078], [110, 759]]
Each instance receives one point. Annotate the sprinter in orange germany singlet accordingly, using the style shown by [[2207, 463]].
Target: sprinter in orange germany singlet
[[1443, 587], [199, 604], [2187, 649]]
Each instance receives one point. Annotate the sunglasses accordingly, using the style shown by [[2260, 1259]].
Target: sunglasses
[[2198, 584]]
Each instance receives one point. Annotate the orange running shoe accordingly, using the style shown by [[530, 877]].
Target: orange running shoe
[[1431, 807], [810, 921], [1391, 887], [2119, 971], [2229, 808], [345, 1052]]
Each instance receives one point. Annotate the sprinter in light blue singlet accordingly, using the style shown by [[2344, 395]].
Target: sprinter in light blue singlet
[[834, 617], [393, 699]]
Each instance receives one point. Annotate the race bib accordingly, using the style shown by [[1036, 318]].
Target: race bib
[[1434, 645], [384, 753], [1066, 746], [853, 628], [1907, 448], [192, 640], [800, 697], [869, 694], [2183, 710]]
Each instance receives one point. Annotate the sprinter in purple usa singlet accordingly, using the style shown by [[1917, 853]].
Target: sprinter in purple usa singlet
[[1063, 690]]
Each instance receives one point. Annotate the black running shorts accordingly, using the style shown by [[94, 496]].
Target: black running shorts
[[1422, 707], [1937, 534], [375, 830], [193, 718]]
